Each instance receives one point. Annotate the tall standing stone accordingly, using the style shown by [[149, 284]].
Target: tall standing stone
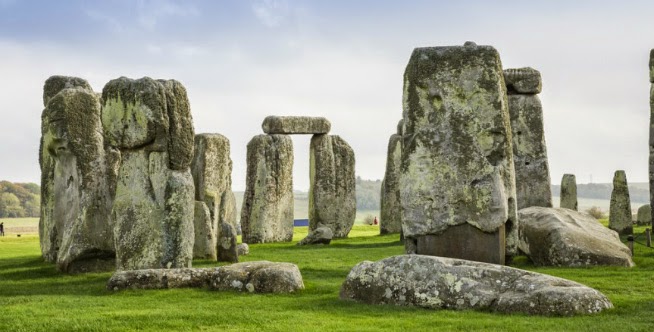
[[267, 212], [457, 180], [150, 123], [332, 195], [532, 174], [569, 192], [620, 209], [75, 227], [391, 211]]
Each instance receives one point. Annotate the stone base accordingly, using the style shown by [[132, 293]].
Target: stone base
[[465, 242]]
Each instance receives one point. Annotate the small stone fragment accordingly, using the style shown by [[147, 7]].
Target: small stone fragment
[[523, 81], [321, 235], [258, 277], [227, 250], [242, 249]]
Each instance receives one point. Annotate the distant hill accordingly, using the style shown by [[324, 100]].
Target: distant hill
[[638, 192]]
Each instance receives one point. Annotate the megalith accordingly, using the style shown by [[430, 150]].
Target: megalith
[[651, 129], [391, 216], [532, 175], [149, 123], [295, 125], [644, 216], [75, 228], [212, 175], [620, 208], [332, 195], [569, 192], [457, 180], [267, 211]]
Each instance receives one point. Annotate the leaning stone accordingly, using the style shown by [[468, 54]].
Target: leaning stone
[[445, 283], [332, 185], [160, 279], [227, 249], [644, 216], [267, 212], [562, 237], [523, 81], [295, 125], [569, 192], [620, 208], [54, 85], [205, 243], [242, 249], [391, 213], [321, 235], [258, 277], [457, 155]]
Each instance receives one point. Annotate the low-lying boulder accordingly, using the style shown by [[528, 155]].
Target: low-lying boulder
[[446, 283], [242, 249], [644, 216], [321, 235], [253, 277], [563, 237]]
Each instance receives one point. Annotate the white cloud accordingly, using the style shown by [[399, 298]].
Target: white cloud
[[271, 13]]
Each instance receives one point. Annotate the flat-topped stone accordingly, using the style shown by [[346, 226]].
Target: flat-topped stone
[[523, 81], [295, 125]]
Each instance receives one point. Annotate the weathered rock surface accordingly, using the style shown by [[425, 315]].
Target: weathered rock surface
[[253, 277], [242, 249], [569, 192], [75, 227], [620, 208], [644, 216], [651, 129], [205, 242], [391, 210], [321, 235], [227, 250], [523, 81], [180, 130], [457, 155], [332, 196], [532, 175], [267, 212], [295, 125], [400, 127], [563, 237], [446, 283], [258, 277]]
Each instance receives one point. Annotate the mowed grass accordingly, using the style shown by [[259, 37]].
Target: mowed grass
[[35, 297]]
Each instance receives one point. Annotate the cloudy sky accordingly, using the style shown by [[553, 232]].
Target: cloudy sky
[[243, 60]]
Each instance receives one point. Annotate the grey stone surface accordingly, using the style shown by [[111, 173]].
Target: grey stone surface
[[400, 127], [523, 80], [206, 241], [180, 130], [568, 192], [445, 283], [651, 129], [258, 277], [532, 175], [227, 249], [651, 66], [644, 216], [242, 249], [295, 125], [160, 278], [457, 155], [75, 227], [563, 237], [321, 235], [267, 212], [332, 195], [391, 210], [620, 208]]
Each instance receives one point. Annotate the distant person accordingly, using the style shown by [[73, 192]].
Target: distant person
[[375, 222], [2, 229]]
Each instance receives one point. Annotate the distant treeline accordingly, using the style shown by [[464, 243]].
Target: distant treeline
[[19, 200], [368, 194], [638, 192]]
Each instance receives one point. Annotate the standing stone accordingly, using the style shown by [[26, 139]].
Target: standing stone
[[620, 209], [457, 180], [267, 212], [150, 123], [295, 125], [532, 175], [332, 196], [75, 227], [644, 215], [569, 192], [391, 211], [227, 249], [206, 241], [651, 130]]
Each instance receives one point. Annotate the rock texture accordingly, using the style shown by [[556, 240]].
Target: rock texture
[[644, 216], [242, 249], [391, 211], [620, 208], [267, 212], [569, 192], [227, 250], [457, 155], [75, 227], [562, 237], [651, 129], [532, 175], [444, 283], [149, 123], [332, 195], [295, 125], [321, 235], [205, 243], [253, 277]]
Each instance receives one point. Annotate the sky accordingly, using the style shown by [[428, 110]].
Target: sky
[[244, 60]]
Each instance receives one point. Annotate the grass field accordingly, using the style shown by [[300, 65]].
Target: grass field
[[34, 297]]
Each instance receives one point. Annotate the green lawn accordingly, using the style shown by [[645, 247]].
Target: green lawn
[[34, 297]]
